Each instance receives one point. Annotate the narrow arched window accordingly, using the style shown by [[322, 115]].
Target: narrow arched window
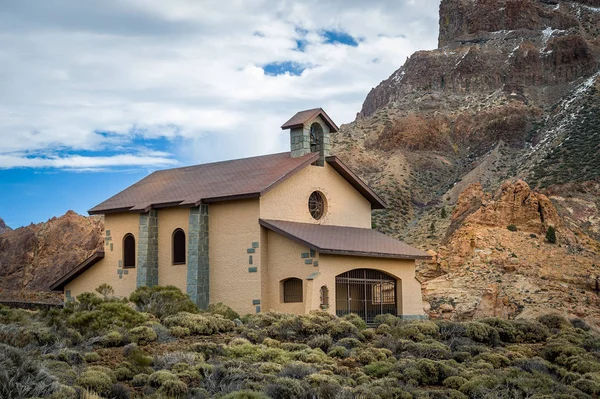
[[178, 247], [292, 290], [324, 296], [128, 251]]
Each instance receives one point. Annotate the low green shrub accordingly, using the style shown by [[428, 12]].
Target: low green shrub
[[139, 380], [113, 339], [70, 356], [417, 331], [321, 341], [555, 322], [245, 395], [199, 324], [356, 320], [158, 378], [223, 310], [483, 333], [286, 388], [162, 301], [96, 381], [142, 335], [388, 319], [454, 382], [173, 389], [91, 357], [105, 316]]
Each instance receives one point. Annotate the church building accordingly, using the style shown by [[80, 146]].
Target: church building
[[288, 232]]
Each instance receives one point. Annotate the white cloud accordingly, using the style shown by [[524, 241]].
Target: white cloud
[[186, 70]]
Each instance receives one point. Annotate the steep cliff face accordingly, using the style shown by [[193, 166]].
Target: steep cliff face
[[527, 50], [33, 257], [511, 94]]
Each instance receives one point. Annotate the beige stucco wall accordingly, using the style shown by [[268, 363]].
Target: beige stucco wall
[[233, 227], [170, 219], [289, 200], [285, 261], [105, 271]]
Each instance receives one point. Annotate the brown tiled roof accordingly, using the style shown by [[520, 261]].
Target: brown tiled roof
[[60, 284], [303, 116], [188, 186], [344, 240]]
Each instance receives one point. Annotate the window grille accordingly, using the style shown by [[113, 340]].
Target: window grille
[[292, 290], [316, 205]]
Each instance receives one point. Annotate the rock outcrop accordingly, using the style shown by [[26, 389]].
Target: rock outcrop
[[3, 227], [487, 269], [33, 257]]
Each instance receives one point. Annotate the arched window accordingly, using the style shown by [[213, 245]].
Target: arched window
[[128, 251], [292, 290], [178, 247], [316, 134], [324, 296]]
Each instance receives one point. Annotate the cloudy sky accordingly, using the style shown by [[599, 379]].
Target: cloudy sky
[[96, 95]]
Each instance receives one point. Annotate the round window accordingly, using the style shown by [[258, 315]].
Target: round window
[[316, 205]]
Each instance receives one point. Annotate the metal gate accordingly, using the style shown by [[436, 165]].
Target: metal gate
[[366, 293]]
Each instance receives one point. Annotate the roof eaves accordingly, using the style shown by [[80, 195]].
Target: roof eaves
[[376, 201], [374, 254], [59, 284], [284, 233], [100, 211]]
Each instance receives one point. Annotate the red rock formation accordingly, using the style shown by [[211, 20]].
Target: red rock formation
[[33, 257]]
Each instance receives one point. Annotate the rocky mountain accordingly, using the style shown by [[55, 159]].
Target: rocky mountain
[[32, 257], [510, 99], [3, 226]]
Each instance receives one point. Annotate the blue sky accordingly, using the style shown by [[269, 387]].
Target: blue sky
[[96, 95]]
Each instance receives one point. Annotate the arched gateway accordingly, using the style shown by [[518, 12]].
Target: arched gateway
[[365, 292]]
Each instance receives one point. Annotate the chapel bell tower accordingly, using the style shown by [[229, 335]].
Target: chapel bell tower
[[309, 132]]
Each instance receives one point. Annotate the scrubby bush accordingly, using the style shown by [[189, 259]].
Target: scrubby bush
[[322, 342], [105, 316], [22, 377], [356, 320], [417, 331], [162, 301], [454, 382], [142, 335], [140, 380], [96, 381], [70, 356], [245, 395], [113, 339], [223, 310], [286, 388], [91, 357], [554, 322], [481, 332], [158, 378], [173, 389], [199, 324]]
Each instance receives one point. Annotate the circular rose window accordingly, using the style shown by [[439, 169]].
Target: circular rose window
[[316, 205]]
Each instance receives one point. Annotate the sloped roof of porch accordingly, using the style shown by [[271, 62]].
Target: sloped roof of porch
[[341, 240]]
